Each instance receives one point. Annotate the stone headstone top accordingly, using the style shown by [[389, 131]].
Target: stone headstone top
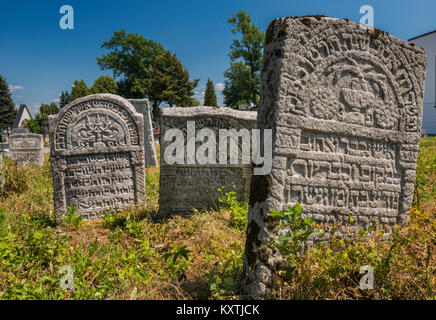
[[344, 102], [97, 154], [19, 130]]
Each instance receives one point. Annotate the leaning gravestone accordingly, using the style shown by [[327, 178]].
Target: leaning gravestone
[[189, 184], [26, 149], [97, 156], [142, 106], [345, 106]]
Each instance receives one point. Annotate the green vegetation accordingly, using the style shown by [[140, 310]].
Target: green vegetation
[[145, 69], [40, 123], [7, 107], [242, 82], [210, 96], [134, 255]]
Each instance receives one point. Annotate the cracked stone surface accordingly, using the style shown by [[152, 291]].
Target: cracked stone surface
[[344, 102]]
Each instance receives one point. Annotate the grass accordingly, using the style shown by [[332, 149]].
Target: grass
[[134, 255]]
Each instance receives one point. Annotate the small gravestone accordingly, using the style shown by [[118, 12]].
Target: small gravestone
[[186, 184], [26, 149], [97, 156], [345, 105], [142, 106], [2, 175], [19, 130]]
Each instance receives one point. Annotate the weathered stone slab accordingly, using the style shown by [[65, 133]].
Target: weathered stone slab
[[345, 106], [26, 149], [193, 185], [142, 106], [2, 175], [97, 156], [19, 130]]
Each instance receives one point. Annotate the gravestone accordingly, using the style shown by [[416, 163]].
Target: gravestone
[[26, 149], [142, 106], [97, 156], [19, 130], [192, 185], [345, 105], [2, 175]]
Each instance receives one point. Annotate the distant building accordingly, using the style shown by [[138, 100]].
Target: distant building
[[427, 41], [23, 115]]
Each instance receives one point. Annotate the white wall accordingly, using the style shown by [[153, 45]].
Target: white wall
[[429, 116]]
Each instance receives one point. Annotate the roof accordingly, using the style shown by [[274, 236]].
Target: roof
[[19, 115], [422, 35]]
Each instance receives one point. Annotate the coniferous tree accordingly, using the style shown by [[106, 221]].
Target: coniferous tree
[[64, 99], [210, 96], [7, 107]]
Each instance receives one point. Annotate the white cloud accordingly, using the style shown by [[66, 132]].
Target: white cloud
[[203, 93], [219, 86], [13, 88], [57, 100]]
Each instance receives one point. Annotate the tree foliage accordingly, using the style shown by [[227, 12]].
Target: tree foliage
[[104, 84], [210, 96], [79, 90], [64, 99], [243, 76], [146, 69], [40, 123], [7, 107]]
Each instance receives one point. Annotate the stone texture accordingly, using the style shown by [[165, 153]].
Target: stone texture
[[97, 156], [26, 149], [19, 130], [2, 177], [345, 106], [184, 187], [142, 106]]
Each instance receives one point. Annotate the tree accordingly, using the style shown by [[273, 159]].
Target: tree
[[64, 99], [7, 107], [210, 96], [79, 90], [249, 50], [40, 123], [146, 69], [104, 84], [237, 86], [170, 83]]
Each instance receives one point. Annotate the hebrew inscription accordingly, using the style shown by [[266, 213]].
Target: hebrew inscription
[[192, 185], [345, 105], [97, 156], [26, 149]]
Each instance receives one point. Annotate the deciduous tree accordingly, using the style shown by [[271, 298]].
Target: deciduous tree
[[243, 75]]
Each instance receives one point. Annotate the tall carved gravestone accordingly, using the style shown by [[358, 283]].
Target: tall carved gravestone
[[192, 185], [345, 106], [26, 148], [97, 156], [142, 106]]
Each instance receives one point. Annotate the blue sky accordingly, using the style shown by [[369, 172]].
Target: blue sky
[[39, 59]]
